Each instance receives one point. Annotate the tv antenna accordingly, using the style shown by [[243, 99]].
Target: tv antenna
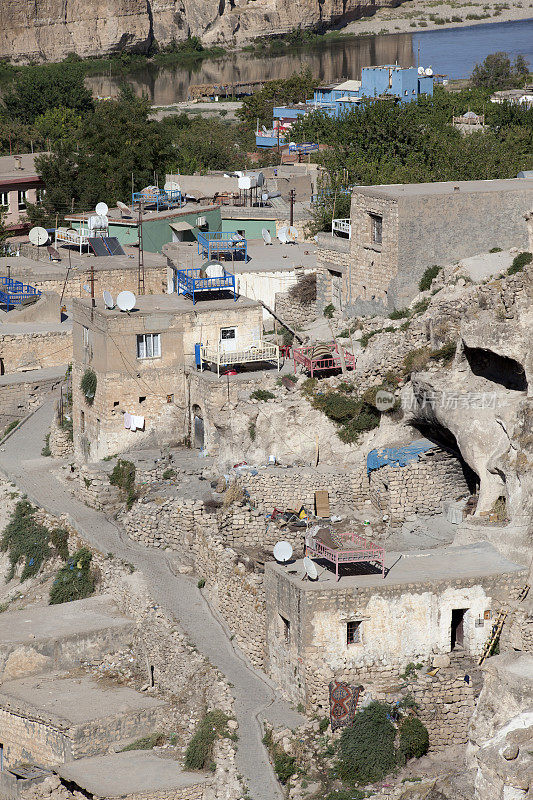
[[126, 301], [267, 238], [282, 552], [310, 569], [108, 299]]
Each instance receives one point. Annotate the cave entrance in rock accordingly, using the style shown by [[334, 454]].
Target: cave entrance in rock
[[457, 640], [198, 429], [496, 368], [444, 438]]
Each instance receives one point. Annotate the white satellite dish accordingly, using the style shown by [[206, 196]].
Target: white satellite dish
[[124, 208], [171, 186], [86, 288], [421, 71], [282, 234], [267, 238], [264, 197], [101, 209], [310, 569], [38, 236], [126, 301], [108, 299], [292, 234], [429, 72], [282, 551]]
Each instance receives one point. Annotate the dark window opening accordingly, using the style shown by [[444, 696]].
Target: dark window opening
[[496, 368], [115, 403], [353, 632], [457, 629], [142, 399], [152, 679], [376, 223], [286, 629], [82, 421]]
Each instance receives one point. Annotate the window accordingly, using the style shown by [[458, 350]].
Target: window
[[286, 629], [82, 421], [376, 223], [227, 333], [85, 336], [148, 345], [41, 195], [142, 399], [4, 199], [22, 201], [353, 633]]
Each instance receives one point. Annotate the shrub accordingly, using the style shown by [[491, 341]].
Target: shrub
[[427, 278], [46, 449], [199, 753], [329, 311], [399, 313], [251, 431], [25, 538], [323, 725], [445, 353], [145, 743], [421, 306], [519, 262], [414, 739], [88, 385], [168, 474], [262, 394], [59, 539], [74, 581], [201, 583], [284, 764], [304, 291], [366, 749], [365, 338], [123, 476], [495, 250], [415, 361], [10, 427]]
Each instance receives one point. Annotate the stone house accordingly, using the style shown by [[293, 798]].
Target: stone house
[[398, 231], [145, 366], [20, 183], [364, 628]]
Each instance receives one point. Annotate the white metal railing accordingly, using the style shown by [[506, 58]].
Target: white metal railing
[[341, 226], [244, 353], [77, 236]]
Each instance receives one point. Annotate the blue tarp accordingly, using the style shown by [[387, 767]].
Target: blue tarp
[[397, 456]]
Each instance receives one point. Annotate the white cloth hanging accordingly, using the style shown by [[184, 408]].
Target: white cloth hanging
[[127, 420], [138, 422]]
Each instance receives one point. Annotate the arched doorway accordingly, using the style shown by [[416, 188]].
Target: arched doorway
[[198, 433]]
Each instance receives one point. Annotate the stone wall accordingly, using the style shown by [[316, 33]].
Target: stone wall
[[28, 351], [333, 256], [19, 395], [60, 440], [114, 280], [27, 738], [293, 312], [420, 487]]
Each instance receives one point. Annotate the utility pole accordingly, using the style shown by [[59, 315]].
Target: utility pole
[[292, 196], [140, 270], [93, 301]]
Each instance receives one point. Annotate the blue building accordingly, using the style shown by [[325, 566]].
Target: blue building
[[402, 85]]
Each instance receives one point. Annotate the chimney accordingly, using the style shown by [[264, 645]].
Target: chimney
[[18, 162]]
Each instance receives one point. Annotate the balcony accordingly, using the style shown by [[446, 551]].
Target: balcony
[[342, 228]]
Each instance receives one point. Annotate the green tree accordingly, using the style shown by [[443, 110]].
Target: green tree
[[497, 72], [366, 749], [37, 89], [259, 106], [57, 124]]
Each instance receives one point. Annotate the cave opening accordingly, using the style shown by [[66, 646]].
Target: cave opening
[[442, 436], [496, 368]]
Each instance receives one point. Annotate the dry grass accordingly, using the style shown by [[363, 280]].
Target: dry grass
[[233, 494]]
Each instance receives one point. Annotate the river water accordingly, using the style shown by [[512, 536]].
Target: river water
[[452, 51]]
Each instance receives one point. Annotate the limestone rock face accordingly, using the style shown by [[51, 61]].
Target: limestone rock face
[[23, 661], [48, 30]]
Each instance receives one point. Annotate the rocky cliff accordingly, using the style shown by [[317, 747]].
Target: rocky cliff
[[48, 30]]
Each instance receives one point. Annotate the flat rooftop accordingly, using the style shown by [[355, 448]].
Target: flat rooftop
[[36, 624], [121, 774], [9, 166], [118, 217], [76, 700], [480, 560], [275, 257], [169, 303], [40, 270], [396, 190]]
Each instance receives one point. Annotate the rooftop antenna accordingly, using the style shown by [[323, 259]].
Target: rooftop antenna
[[310, 569], [282, 552], [126, 301], [267, 237], [108, 299]]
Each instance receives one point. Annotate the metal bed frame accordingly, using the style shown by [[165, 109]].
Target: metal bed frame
[[189, 281], [304, 357], [354, 549]]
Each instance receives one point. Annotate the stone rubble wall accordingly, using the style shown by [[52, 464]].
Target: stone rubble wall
[[25, 351], [292, 312], [18, 399], [60, 442]]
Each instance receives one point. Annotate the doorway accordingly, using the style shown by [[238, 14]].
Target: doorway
[[457, 629], [336, 290]]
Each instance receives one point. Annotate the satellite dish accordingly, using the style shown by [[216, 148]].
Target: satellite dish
[[429, 72], [86, 288], [124, 208], [292, 233], [282, 234], [267, 238], [108, 299], [283, 551], [126, 301], [310, 569], [260, 179], [171, 186], [421, 71], [102, 209], [38, 236], [264, 197]]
